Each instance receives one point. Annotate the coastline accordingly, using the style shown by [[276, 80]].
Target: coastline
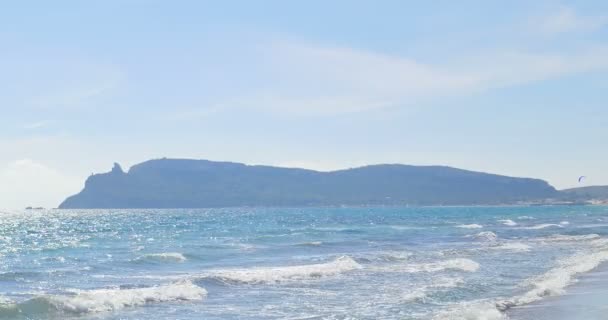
[[585, 299]]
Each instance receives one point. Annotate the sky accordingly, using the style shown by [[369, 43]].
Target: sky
[[510, 87]]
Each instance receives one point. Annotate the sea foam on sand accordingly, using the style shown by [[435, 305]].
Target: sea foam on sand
[[100, 300]]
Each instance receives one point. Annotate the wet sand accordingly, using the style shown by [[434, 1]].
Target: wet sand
[[585, 300]]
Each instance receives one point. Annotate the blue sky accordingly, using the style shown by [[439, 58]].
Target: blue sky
[[516, 88]]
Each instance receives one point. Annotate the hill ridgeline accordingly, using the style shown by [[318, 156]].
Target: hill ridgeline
[[180, 183]]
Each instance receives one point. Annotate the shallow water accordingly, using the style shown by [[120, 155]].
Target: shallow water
[[299, 263]]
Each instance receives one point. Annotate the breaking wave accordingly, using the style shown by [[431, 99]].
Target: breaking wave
[[543, 226], [163, 257], [551, 283], [102, 300], [289, 273], [513, 246], [311, 244], [557, 279], [383, 256], [470, 226], [460, 264], [474, 310], [422, 293], [570, 238], [508, 222], [486, 236]]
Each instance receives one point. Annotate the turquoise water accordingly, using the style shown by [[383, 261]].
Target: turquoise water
[[298, 263]]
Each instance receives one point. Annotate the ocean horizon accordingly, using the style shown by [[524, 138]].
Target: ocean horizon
[[457, 262]]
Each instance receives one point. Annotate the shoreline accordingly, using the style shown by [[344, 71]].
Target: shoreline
[[584, 299]]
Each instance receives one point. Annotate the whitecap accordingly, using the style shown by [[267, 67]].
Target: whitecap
[[551, 283], [287, 273], [470, 226], [486, 236], [508, 222], [384, 256], [421, 293], [513, 246], [526, 218], [163, 257], [103, 300], [568, 238], [311, 244], [543, 226], [473, 310], [557, 279], [460, 264]]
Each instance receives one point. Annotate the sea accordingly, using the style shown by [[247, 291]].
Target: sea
[[473, 263]]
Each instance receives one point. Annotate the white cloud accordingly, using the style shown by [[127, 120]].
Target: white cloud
[[566, 19], [35, 125], [26, 182], [308, 79], [55, 80]]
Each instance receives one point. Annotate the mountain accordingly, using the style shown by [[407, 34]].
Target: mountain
[[180, 183], [586, 193]]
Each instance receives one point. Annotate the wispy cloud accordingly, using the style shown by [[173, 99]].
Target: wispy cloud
[[53, 81], [74, 96], [566, 19], [35, 125], [310, 79]]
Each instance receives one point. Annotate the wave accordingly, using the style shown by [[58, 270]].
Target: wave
[[508, 222], [383, 256], [311, 244], [526, 218], [102, 300], [289, 273], [486, 236], [513, 246], [460, 264], [557, 279], [470, 226], [543, 226], [570, 238], [474, 310], [163, 257], [422, 293], [551, 283]]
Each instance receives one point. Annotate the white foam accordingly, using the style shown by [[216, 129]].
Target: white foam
[[551, 283], [564, 223], [5, 300], [460, 264], [474, 310], [421, 293], [470, 226], [570, 238], [165, 256], [386, 256], [513, 246], [487, 236], [526, 218], [114, 299], [508, 222], [543, 226], [599, 242], [311, 244], [557, 279], [289, 273]]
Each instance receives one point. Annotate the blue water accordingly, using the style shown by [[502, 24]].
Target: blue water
[[299, 263]]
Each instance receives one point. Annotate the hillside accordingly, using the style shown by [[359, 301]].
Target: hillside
[[586, 193], [179, 183]]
